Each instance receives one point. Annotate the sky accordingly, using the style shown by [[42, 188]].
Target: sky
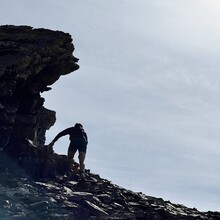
[[147, 91]]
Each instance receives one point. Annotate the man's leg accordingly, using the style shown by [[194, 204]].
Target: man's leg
[[70, 154], [71, 151], [82, 156]]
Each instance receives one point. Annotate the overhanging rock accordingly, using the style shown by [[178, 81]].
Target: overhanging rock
[[30, 61]]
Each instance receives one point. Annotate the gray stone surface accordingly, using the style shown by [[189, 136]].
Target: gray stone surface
[[23, 197]]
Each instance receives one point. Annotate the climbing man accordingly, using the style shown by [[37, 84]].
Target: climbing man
[[78, 141]]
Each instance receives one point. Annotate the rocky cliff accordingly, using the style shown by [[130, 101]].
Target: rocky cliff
[[35, 182], [30, 61]]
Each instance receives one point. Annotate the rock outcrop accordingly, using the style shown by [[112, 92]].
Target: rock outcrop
[[30, 61], [36, 183]]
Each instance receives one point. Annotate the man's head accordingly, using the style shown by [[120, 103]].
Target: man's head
[[78, 125]]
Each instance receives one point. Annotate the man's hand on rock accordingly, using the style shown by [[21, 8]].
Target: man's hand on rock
[[50, 144]]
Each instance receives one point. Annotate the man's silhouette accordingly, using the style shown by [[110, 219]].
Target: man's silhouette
[[78, 141]]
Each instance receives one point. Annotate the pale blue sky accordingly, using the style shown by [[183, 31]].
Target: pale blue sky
[[147, 91]]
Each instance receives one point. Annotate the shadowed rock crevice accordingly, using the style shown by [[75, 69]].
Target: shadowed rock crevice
[[36, 183]]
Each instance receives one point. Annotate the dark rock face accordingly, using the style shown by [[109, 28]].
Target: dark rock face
[[36, 183], [30, 61]]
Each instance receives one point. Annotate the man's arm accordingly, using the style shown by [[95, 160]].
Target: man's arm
[[61, 134]]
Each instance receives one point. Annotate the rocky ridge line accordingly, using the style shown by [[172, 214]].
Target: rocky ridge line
[[66, 197]]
